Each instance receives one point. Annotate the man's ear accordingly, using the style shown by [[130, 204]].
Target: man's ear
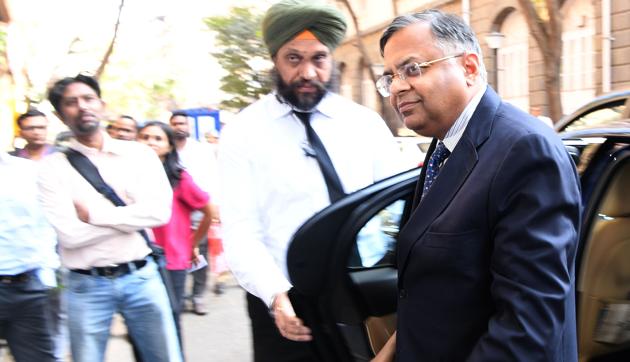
[[471, 68]]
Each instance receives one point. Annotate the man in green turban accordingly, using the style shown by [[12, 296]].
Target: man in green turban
[[288, 156]]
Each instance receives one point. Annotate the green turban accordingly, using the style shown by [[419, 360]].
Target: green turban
[[288, 18]]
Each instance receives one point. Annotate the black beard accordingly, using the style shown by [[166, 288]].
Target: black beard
[[304, 102], [181, 135], [86, 129]]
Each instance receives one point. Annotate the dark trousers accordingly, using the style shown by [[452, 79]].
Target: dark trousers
[[269, 345], [200, 276], [25, 320], [178, 279]]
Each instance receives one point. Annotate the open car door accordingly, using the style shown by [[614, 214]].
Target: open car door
[[342, 266], [603, 263]]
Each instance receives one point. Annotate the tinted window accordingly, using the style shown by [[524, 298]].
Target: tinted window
[[602, 115], [376, 240]]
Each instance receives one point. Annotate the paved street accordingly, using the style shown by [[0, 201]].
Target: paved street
[[221, 335]]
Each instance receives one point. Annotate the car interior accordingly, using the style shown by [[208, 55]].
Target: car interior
[[604, 280]]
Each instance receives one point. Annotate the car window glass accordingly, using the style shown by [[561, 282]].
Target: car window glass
[[376, 240], [605, 114]]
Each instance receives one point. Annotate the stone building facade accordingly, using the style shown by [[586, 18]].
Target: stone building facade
[[596, 50]]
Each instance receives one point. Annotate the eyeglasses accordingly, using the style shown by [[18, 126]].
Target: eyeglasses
[[411, 70]]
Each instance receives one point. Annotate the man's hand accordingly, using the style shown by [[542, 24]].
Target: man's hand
[[289, 325], [82, 211]]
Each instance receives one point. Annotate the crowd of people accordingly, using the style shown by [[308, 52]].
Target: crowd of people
[[499, 217], [107, 264]]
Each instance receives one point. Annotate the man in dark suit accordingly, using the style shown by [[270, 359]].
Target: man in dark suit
[[486, 260]]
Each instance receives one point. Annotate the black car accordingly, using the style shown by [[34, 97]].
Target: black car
[[341, 261]]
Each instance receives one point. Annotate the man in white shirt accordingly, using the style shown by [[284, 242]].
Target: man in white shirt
[[274, 173], [27, 263], [200, 162], [110, 270]]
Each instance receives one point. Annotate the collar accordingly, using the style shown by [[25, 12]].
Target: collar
[[110, 145], [456, 131], [326, 106]]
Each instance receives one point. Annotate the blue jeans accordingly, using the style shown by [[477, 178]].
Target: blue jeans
[[140, 297]]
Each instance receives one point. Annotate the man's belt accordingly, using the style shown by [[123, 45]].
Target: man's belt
[[18, 278], [114, 270]]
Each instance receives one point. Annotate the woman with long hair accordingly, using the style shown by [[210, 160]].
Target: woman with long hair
[[176, 237]]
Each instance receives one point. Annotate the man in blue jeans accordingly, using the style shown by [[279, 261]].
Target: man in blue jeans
[[100, 243]]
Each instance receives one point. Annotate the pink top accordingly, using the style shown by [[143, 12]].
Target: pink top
[[176, 236]]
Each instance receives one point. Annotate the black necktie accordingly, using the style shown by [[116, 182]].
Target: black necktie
[[335, 190]]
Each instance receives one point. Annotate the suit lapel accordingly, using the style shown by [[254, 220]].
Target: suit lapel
[[450, 179]]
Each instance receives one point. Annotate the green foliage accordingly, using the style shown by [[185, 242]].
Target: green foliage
[[239, 42]]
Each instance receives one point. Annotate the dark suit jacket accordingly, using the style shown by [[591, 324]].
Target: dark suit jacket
[[486, 260]]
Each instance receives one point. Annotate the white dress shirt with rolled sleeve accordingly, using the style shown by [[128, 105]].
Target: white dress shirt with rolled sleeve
[[270, 185], [135, 173]]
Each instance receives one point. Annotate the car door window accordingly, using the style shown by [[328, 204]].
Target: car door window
[[376, 240], [604, 272]]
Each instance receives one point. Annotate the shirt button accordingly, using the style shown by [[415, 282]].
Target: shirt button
[[402, 294]]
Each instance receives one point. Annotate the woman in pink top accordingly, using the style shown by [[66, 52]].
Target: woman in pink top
[[176, 237]]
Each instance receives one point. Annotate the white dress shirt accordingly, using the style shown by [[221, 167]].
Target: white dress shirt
[[111, 237], [455, 133], [27, 241], [270, 186], [200, 161]]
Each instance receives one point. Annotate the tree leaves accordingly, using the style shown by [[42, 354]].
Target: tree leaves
[[239, 42]]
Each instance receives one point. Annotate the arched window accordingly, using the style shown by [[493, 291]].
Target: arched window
[[513, 57]]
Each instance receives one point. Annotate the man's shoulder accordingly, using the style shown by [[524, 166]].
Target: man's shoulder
[[263, 108], [519, 122], [19, 162], [513, 125]]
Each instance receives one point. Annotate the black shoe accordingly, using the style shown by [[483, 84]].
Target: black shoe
[[219, 288]]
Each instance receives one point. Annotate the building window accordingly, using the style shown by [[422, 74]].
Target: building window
[[512, 62], [577, 75]]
